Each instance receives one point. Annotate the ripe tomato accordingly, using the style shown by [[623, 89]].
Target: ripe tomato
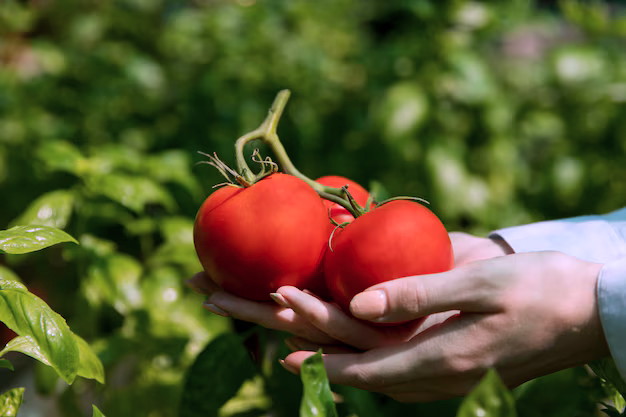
[[337, 212], [253, 240], [394, 240]]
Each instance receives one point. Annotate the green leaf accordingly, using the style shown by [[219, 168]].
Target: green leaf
[[215, 376], [178, 247], [96, 412], [403, 110], [11, 401], [131, 191], [177, 229], [90, 365], [607, 370], [25, 239], [51, 209], [490, 398], [6, 364], [611, 411], [114, 279], [317, 399], [113, 157], [42, 333], [174, 166], [9, 278], [63, 156]]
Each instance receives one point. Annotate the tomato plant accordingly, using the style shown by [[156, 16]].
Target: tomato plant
[[337, 212], [396, 239], [253, 240]]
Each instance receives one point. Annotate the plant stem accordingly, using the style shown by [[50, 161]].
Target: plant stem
[[267, 134]]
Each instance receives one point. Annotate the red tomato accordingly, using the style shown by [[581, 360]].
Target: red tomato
[[394, 240], [251, 241], [337, 212]]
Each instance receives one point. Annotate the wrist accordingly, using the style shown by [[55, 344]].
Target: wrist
[[581, 313]]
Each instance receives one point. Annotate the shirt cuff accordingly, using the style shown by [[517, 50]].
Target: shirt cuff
[[590, 238], [612, 307]]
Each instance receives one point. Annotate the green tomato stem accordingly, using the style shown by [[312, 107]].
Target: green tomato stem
[[267, 134]]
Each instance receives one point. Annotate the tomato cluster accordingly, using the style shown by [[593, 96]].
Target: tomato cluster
[[253, 240]]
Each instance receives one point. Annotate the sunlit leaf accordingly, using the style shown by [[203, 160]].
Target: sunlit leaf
[[215, 376], [90, 365], [177, 229], [131, 191], [471, 80], [613, 411], [490, 398], [11, 401], [42, 333], [178, 247], [113, 279], [7, 275], [113, 157], [51, 209], [61, 156], [174, 166], [317, 399], [25, 239], [180, 254], [402, 110], [97, 412]]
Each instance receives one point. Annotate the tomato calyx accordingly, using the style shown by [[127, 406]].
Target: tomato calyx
[[233, 177]]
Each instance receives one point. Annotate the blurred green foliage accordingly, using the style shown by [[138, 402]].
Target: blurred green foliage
[[498, 113]]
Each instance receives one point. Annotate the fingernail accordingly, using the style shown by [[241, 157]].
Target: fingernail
[[288, 367], [215, 309], [280, 300], [369, 305]]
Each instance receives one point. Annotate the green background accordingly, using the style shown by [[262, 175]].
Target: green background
[[498, 113]]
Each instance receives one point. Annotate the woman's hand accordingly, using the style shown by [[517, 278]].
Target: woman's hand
[[307, 317], [527, 315], [313, 322]]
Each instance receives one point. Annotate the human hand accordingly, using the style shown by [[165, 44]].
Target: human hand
[[303, 314], [527, 315]]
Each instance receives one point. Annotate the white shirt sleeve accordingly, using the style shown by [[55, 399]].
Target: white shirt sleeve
[[612, 306], [599, 239]]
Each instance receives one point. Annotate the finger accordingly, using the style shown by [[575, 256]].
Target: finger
[[343, 369], [466, 288], [202, 284], [331, 320], [443, 353], [268, 315], [298, 343]]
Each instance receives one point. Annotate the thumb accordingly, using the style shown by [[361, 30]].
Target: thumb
[[417, 296]]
